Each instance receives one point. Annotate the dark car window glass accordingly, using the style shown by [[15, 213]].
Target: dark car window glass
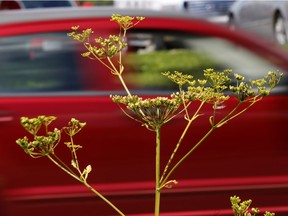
[[42, 62], [46, 4], [206, 8], [153, 52]]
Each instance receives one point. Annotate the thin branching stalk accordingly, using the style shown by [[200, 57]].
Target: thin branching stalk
[[83, 181], [190, 121], [121, 67], [124, 85], [255, 100], [61, 163], [187, 154], [157, 177], [118, 73], [213, 128], [97, 58], [103, 198], [62, 167], [74, 155]]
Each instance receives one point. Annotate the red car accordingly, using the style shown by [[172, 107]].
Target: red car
[[42, 73]]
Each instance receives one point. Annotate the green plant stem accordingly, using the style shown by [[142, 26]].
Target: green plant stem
[[157, 178], [121, 67], [180, 141], [61, 163], [174, 152], [74, 155], [124, 85], [86, 184], [96, 57], [63, 168], [118, 73], [103, 198], [227, 118], [183, 102], [188, 153], [256, 99]]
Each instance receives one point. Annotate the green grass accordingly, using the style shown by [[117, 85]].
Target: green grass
[[145, 69]]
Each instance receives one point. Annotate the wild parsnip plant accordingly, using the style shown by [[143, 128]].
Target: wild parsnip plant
[[153, 113]]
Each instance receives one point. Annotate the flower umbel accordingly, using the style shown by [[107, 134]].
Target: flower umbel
[[42, 145], [208, 90], [179, 78], [126, 22], [258, 88], [151, 112], [218, 80], [102, 47], [74, 126]]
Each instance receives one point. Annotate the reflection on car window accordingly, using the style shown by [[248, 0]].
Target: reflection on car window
[[43, 62], [46, 4], [152, 53], [52, 63]]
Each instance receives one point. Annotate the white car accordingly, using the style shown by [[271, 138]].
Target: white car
[[267, 18]]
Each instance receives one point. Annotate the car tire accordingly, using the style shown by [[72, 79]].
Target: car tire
[[279, 29]]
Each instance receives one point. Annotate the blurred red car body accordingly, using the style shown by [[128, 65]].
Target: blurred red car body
[[248, 157]]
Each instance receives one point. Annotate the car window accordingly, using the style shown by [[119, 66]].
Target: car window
[[42, 62], [52, 62], [46, 4], [152, 53]]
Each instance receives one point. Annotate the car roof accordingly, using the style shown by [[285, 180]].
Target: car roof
[[18, 16]]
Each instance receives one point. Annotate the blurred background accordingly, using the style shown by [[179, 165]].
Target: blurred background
[[42, 72]]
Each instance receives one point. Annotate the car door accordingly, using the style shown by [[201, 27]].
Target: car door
[[253, 14], [264, 12], [244, 13]]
